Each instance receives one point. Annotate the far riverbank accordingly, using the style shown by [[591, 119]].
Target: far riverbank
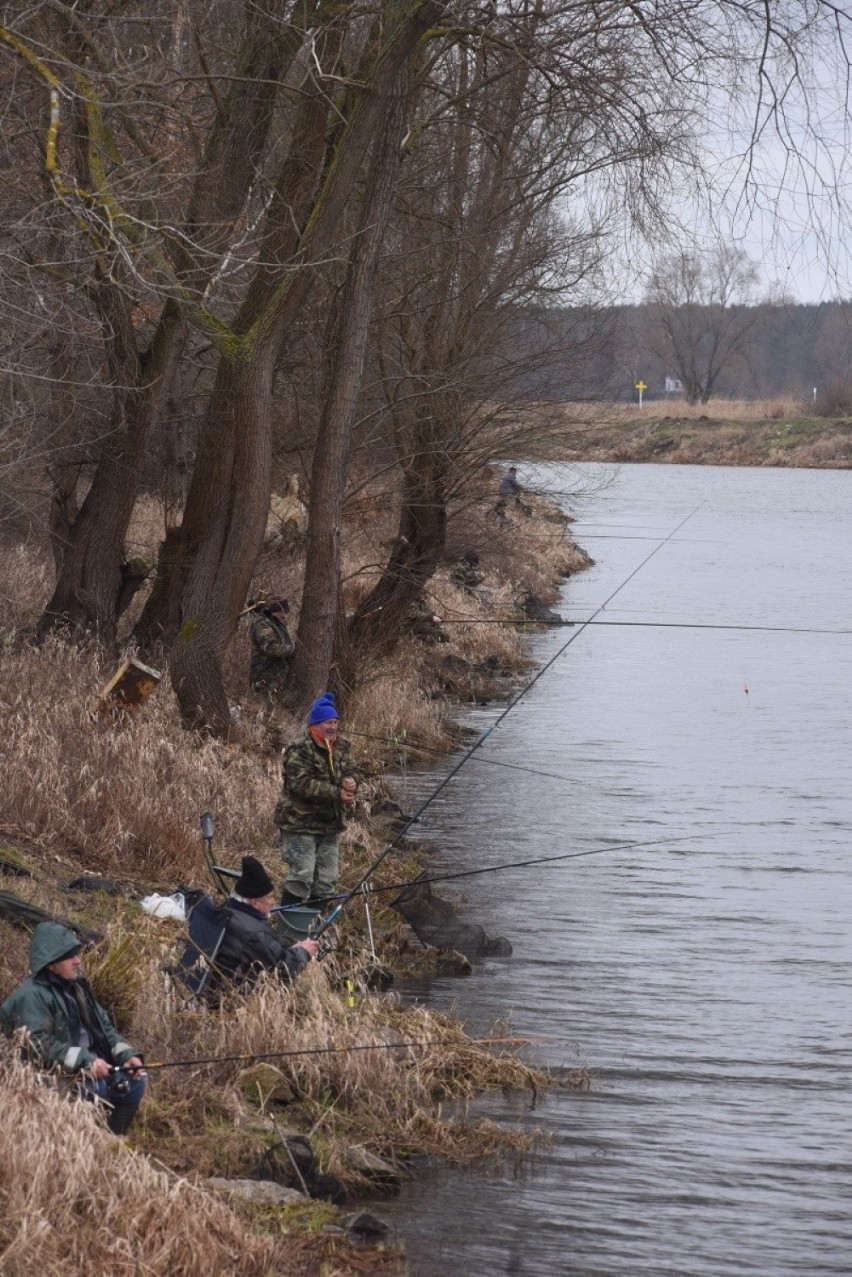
[[722, 432]]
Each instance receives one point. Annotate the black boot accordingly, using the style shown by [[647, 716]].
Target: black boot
[[287, 898], [121, 1118]]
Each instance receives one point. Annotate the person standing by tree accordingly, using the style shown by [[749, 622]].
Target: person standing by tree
[[319, 784], [423, 623], [271, 649]]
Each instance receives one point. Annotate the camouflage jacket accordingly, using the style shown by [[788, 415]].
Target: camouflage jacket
[[310, 800], [419, 618], [465, 575], [271, 649]]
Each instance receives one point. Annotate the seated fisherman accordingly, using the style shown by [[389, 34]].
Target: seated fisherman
[[250, 944], [72, 1031], [464, 573], [271, 648], [424, 624]]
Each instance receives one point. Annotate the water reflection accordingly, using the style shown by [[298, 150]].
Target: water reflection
[[703, 980]]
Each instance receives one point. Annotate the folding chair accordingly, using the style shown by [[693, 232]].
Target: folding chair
[[196, 967]]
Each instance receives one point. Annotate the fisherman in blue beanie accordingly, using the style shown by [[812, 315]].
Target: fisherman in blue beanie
[[323, 710], [320, 780]]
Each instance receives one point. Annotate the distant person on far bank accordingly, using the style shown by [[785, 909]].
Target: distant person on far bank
[[70, 1030], [271, 649], [320, 780], [510, 490], [509, 486]]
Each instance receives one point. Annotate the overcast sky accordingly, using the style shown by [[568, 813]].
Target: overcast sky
[[784, 195]]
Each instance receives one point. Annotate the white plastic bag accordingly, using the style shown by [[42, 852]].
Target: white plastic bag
[[165, 906]]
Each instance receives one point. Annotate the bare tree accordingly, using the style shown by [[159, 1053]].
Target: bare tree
[[208, 173], [702, 315], [480, 249]]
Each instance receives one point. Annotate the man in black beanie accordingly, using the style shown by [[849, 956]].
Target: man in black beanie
[[250, 944]]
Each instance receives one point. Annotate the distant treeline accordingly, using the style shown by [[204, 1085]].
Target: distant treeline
[[776, 350]]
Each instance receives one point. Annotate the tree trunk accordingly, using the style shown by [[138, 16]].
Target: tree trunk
[[89, 580], [319, 617], [64, 473], [87, 588], [229, 495], [220, 537], [419, 547]]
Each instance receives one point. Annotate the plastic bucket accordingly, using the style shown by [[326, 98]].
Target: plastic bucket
[[295, 921]]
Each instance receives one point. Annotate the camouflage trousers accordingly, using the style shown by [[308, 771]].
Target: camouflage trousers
[[312, 861]]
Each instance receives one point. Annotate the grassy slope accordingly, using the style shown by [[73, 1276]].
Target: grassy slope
[[720, 433], [122, 800]]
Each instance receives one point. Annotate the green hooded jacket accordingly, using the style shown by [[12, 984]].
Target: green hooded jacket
[[38, 1005]]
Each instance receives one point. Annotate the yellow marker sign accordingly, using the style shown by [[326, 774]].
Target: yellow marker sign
[[640, 386]]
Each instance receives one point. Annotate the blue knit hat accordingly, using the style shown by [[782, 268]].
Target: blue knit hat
[[322, 708]]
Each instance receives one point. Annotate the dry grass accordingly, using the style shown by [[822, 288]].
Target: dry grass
[[773, 432], [76, 1200], [122, 799], [776, 408], [373, 1097]]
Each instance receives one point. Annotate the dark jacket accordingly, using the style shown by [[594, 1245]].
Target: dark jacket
[[250, 944], [44, 1005], [465, 575], [310, 800]]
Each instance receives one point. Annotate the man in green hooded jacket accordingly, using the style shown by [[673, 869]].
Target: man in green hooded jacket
[[70, 1030]]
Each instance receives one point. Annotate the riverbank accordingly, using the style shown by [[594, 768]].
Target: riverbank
[[722, 432], [120, 801]]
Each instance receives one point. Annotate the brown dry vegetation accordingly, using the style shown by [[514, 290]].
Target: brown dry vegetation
[[121, 798], [731, 432]]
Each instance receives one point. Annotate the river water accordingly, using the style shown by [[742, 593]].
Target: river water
[[703, 979]]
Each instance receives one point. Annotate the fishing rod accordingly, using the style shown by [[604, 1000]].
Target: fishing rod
[[422, 880], [315, 1050], [371, 869]]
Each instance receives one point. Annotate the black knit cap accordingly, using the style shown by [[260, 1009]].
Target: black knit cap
[[277, 605], [254, 881]]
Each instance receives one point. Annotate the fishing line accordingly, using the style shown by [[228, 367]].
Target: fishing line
[[540, 860], [670, 625], [329, 921], [408, 743]]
